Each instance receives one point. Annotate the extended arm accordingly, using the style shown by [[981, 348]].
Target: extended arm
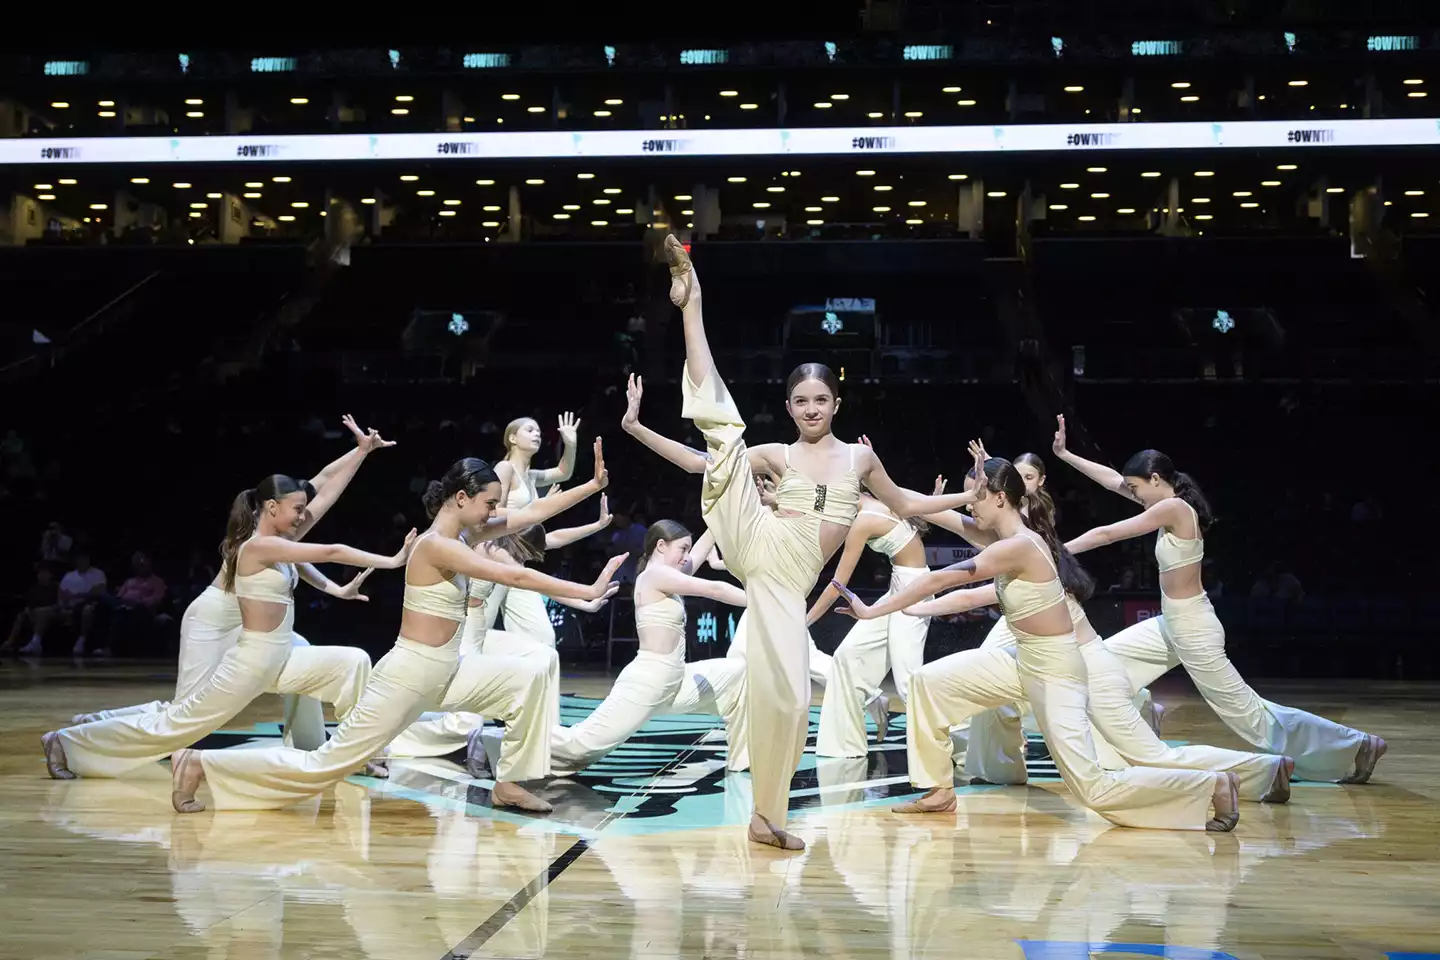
[[569, 437], [318, 580], [956, 601], [985, 565], [905, 503], [849, 557], [454, 555], [331, 482], [700, 551], [563, 538], [1107, 477], [269, 551], [538, 511], [1163, 514], [670, 580]]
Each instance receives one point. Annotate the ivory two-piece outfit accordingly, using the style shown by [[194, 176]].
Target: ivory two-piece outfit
[[1188, 632], [778, 559], [894, 643], [525, 612], [258, 662], [657, 683], [822, 665], [1122, 738], [410, 679], [209, 629], [1049, 672]]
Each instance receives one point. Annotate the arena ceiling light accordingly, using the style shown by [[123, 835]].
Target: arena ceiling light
[[106, 103], [729, 93], [256, 196], [683, 213], [1242, 193], [1199, 199], [875, 115], [914, 222], [915, 203], [509, 96], [199, 205], [958, 176], [612, 190], [1334, 189], [1075, 89], [44, 186], [60, 104], [1151, 174], [614, 102], [485, 183], [1299, 83], [864, 173], [1059, 206], [1204, 173], [1414, 193], [760, 205], [964, 103], [194, 102], [107, 114], [815, 223], [535, 182], [913, 114], [734, 179], [195, 114], [535, 109], [1417, 93], [404, 98], [562, 216], [683, 196], [97, 206], [1069, 186], [601, 201], [214, 196], [1181, 85], [883, 187], [254, 184], [1250, 205], [140, 180], [1418, 214], [182, 185], [1097, 169], [1269, 183], [829, 199], [424, 193], [774, 189], [823, 105], [494, 208], [839, 96], [1413, 83], [1087, 218], [1189, 99], [286, 217], [447, 213], [1286, 166], [299, 101], [814, 209], [749, 106], [1126, 210], [281, 179], [1204, 216], [949, 89], [45, 196], [593, 223], [881, 209], [571, 206], [1099, 196], [451, 203], [995, 193]]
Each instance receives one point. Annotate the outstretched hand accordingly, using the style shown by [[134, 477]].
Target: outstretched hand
[[604, 585], [634, 391], [602, 476], [351, 590], [605, 517], [940, 483], [366, 440], [857, 608], [1058, 444], [569, 428]]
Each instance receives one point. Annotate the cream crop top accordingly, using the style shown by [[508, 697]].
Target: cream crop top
[[273, 584], [668, 613], [836, 502], [1172, 552], [894, 540], [445, 599], [1025, 598]]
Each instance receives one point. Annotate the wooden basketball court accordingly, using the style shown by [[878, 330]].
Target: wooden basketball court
[[645, 855]]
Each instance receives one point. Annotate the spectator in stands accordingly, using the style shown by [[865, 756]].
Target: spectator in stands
[[81, 592], [55, 544], [136, 605], [629, 537], [1127, 582], [41, 605], [1278, 584], [199, 574]]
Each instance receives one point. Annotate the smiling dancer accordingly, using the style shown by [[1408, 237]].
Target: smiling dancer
[[1188, 631], [694, 461], [420, 671], [262, 566], [1033, 575], [895, 644], [777, 554], [210, 625]]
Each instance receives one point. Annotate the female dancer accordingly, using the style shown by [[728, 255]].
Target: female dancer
[[1119, 728], [895, 644], [650, 683], [261, 561], [525, 610], [694, 461], [777, 555], [1033, 574], [1188, 631], [418, 671], [210, 625]]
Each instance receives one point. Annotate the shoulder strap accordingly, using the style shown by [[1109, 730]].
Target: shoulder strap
[[1044, 551], [787, 456]]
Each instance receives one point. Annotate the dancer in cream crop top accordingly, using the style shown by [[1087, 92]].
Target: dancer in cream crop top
[[1025, 598], [837, 502], [1172, 552], [897, 538], [444, 599], [667, 612], [272, 584]]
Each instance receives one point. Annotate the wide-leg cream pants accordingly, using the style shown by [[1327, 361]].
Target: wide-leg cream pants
[[525, 614], [822, 665], [1189, 633], [718, 687], [647, 685], [893, 644], [438, 734], [1050, 673], [209, 629], [778, 560], [409, 678]]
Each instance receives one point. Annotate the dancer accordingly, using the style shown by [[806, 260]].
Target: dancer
[[1033, 574], [261, 561], [419, 671], [777, 555], [210, 626], [525, 610], [871, 648], [1122, 737], [651, 682], [1188, 631], [694, 461]]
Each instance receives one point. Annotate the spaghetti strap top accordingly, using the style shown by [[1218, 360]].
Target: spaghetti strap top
[[894, 540], [272, 584], [1025, 598], [837, 502], [445, 599], [522, 494], [1172, 552], [668, 613]]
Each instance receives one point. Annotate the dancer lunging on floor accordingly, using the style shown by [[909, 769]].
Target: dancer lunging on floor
[[419, 672], [1188, 631], [777, 554], [1033, 574]]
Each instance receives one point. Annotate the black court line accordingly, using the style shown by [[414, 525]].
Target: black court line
[[512, 907]]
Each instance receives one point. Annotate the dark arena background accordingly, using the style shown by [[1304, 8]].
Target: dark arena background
[[1207, 227]]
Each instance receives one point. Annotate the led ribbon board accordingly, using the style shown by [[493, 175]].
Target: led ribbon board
[[829, 141]]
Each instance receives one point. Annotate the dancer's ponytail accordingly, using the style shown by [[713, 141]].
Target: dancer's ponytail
[[245, 517], [1039, 516]]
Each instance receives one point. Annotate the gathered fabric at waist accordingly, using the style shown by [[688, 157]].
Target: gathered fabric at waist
[[1057, 656], [901, 577], [1187, 608]]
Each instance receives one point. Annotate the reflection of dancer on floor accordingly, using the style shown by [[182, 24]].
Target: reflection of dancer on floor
[[1033, 575], [777, 554], [652, 682], [1188, 631], [262, 566], [438, 734], [210, 625], [1118, 727], [520, 484], [872, 648], [694, 461], [420, 671]]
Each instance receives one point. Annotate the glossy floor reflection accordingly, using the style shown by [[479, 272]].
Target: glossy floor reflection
[[642, 859]]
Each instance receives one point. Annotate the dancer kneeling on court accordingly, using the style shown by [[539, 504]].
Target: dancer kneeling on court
[[420, 671], [1033, 573]]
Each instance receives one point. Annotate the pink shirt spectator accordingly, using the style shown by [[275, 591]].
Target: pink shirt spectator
[[146, 592]]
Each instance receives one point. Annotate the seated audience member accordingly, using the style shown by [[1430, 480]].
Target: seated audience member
[[41, 603], [81, 591], [133, 610]]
